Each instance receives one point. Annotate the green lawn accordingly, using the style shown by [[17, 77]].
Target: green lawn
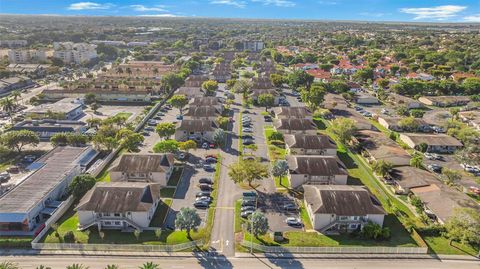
[[69, 222], [282, 182], [161, 213], [440, 245], [238, 219], [274, 152], [400, 238], [104, 176], [175, 177], [304, 216], [124, 114], [167, 192]]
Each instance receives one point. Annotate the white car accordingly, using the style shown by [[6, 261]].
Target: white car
[[291, 221], [248, 130]]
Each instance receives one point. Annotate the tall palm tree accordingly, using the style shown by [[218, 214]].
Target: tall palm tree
[[77, 266], [8, 106]]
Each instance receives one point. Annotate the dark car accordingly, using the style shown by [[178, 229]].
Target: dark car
[[248, 142], [211, 160], [208, 168], [205, 180], [249, 203], [201, 204], [247, 208], [267, 118], [205, 187]]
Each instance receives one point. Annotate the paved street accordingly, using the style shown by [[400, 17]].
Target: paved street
[[201, 261]]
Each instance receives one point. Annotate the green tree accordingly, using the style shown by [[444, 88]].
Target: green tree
[[187, 145], [231, 83], [471, 85], [179, 101], [338, 86], [464, 226], [223, 122], [149, 265], [258, 224], [77, 266], [80, 185], [275, 135], [280, 169], [210, 87], [266, 100], [90, 98], [277, 80], [422, 147], [16, 140], [408, 124], [364, 74], [219, 137], [416, 161], [9, 265], [59, 139], [313, 97], [112, 266], [8, 107], [382, 168], [165, 129], [15, 95], [95, 106], [242, 86], [299, 78], [129, 139], [452, 176], [187, 219], [454, 112], [76, 139], [38, 267], [165, 146], [344, 128], [247, 171], [172, 81]]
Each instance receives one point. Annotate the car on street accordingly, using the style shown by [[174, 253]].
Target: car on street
[[205, 180], [294, 222]]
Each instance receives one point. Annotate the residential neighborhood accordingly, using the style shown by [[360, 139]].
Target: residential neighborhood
[[220, 140]]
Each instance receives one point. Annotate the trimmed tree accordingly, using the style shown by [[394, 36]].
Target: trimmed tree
[[179, 101], [170, 146], [248, 171], [187, 219], [258, 224], [165, 129], [219, 137], [187, 145], [210, 86], [16, 140], [80, 185], [344, 128], [280, 169], [266, 100]]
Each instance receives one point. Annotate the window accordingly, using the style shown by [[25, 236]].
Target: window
[[107, 223], [356, 217], [117, 214], [106, 214], [343, 218], [118, 223], [353, 226]]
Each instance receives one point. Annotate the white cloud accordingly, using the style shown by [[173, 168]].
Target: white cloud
[[437, 13], [472, 18], [327, 3], [374, 14], [278, 3], [142, 8], [166, 15], [89, 6], [235, 3]]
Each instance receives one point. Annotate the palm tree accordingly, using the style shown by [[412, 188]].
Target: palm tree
[[149, 265], [382, 168], [9, 265], [15, 95], [112, 266], [77, 266], [43, 267], [8, 106]]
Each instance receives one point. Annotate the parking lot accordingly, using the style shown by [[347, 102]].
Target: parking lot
[[448, 161], [187, 188]]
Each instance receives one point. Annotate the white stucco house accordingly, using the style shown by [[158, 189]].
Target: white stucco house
[[341, 208], [316, 170]]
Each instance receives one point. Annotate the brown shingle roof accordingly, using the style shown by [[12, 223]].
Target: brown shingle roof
[[294, 124], [309, 141], [410, 177], [340, 200], [205, 101], [119, 197], [294, 112], [202, 111], [316, 165], [144, 163], [197, 125]]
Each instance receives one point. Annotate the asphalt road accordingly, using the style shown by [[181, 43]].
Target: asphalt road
[[200, 261]]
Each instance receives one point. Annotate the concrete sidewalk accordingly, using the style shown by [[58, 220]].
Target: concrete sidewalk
[[214, 255]]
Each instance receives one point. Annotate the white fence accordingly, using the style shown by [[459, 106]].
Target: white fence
[[117, 247], [340, 250]]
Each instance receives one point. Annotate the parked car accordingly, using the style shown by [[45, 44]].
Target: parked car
[[247, 208], [179, 117], [434, 168], [294, 222], [157, 118], [152, 123], [290, 207], [207, 199], [249, 203], [211, 156], [4, 177], [201, 204], [267, 118], [205, 145], [207, 167], [203, 193], [205, 187], [248, 141], [248, 130], [249, 194], [210, 160], [246, 213], [149, 128], [205, 180]]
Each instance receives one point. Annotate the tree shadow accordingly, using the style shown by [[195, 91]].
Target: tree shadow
[[211, 259]]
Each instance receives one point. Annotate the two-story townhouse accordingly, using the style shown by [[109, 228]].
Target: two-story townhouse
[[316, 170], [302, 144]]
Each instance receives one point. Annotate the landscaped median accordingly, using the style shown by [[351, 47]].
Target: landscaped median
[[276, 151]]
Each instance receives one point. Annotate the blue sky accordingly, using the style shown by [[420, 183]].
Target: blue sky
[[372, 10]]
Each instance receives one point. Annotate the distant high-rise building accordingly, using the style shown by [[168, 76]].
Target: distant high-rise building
[[77, 53], [16, 56]]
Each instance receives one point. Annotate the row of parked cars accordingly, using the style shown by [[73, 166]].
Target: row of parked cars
[[205, 184], [249, 203], [475, 170]]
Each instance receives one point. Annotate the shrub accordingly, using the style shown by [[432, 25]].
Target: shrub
[[69, 237], [275, 136], [278, 143]]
